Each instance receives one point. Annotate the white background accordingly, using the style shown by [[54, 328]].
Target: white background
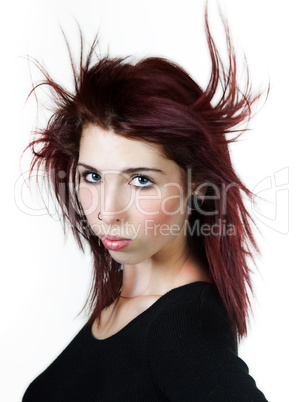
[[44, 278]]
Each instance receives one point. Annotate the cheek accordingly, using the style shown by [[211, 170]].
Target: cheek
[[89, 200], [170, 202], [168, 218], [148, 207], [173, 205]]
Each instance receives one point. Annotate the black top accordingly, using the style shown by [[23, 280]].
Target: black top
[[180, 349]]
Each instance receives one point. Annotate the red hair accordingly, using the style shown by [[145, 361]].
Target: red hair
[[155, 100]]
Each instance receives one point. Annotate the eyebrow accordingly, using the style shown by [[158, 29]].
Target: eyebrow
[[126, 171]]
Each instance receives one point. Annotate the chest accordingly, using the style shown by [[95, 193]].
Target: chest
[[119, 314], [99, 370]]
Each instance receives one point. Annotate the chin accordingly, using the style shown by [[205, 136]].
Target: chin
[[127, 259]]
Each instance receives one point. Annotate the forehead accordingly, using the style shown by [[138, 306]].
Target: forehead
[[106, 150]]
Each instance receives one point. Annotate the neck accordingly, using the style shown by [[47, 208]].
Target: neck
[[150, 280]]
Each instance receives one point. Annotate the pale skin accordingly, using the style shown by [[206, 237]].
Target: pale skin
[[157, 260]]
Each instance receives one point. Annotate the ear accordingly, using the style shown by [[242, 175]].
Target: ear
[[199, 190]]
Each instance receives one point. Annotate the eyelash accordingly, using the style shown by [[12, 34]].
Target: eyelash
[[85, 174]]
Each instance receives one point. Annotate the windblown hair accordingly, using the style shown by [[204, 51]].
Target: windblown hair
[[156, 101]]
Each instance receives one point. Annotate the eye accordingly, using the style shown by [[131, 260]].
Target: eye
[[91, 177], [142, 181]]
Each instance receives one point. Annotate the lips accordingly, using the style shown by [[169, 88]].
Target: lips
[[115, 243], [115, 238]]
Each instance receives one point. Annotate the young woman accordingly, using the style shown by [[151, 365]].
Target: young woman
[[137, 156]]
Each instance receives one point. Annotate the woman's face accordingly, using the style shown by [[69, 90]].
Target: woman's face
[[128, 189]]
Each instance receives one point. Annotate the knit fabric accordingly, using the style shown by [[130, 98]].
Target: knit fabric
[[179, 349]]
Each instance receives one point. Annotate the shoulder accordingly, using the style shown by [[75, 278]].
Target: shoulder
[[192, 354], [198, 315], [194, 327]]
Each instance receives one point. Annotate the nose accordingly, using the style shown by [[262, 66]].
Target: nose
[[114, 204]]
